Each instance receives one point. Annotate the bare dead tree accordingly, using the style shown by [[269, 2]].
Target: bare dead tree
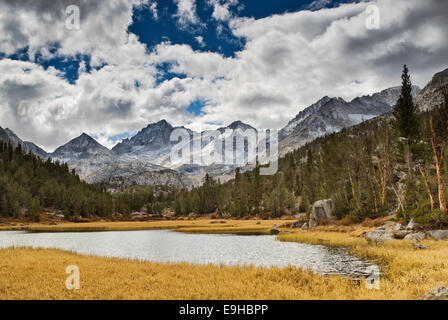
[[384, 167], [438, 158], [428, 189]]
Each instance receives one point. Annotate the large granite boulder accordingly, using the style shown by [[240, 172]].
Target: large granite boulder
[[322, 210], [397, 227], [439, 234], [418, 236], [401, 234], [411, 225], [379, 235]]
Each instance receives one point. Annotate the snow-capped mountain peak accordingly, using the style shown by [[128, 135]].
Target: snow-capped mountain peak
[[7, 135], [330, 115], [154, 137], [239, 125], [83, 143]]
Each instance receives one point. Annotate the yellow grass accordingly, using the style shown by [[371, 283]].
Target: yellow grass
[[14, 227], [40, 274], [192, 226], [408, 273]]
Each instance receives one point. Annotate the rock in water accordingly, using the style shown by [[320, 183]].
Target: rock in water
[[274, 229], [296, 224], [322, 210], [439, 234], [440, 293], [379, 235]]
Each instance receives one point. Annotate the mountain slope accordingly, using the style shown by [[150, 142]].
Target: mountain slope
[[81, 147], [125, 174], [431, 96], [84, 154], [138, 165], [330, 115], [154, 137], [7, 135], [148, 153]]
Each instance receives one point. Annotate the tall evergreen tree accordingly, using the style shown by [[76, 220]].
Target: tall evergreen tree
[[405, 110]]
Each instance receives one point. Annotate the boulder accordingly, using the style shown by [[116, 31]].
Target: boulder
[[439, 234], [305, 226], [296, 224], [419, 246], [274, 229], [312, 224], [322, 210], [401, 234], [397, 227], [379, 235], [419, 236], [411, 225], [440, 293]]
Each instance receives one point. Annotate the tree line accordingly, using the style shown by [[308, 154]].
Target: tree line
[[395, 163]]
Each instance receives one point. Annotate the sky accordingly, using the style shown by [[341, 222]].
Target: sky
[[201, 63]]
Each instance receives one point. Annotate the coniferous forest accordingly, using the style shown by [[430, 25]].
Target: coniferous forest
[[395, 163], [29, 184]]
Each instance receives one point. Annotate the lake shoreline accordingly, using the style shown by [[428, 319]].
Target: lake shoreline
[[408, 273], [224, 226]]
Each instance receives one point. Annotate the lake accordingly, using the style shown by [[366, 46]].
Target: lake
[[168, 246]]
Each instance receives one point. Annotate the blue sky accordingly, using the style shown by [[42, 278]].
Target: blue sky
[[201, 63], [216, 36]]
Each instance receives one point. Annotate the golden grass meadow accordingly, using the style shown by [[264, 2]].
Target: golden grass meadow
[[191, 226], [41, 274]]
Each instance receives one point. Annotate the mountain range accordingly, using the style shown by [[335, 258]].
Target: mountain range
[[144, 159], [330, 115], [8, 135]]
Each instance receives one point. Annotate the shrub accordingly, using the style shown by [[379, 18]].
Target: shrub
[[344, 222], [434, 219]]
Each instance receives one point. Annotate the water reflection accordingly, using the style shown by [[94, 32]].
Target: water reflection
[[167, 246]]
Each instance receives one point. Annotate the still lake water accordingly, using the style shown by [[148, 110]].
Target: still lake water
[[168, 246]]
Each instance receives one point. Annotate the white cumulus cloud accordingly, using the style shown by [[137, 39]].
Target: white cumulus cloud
[[288, 62]]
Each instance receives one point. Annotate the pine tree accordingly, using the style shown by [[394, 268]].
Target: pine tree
[[257, 188], [34, 209], [405, 110]]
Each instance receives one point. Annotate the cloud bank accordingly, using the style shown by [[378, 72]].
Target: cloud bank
[[289, 61]]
